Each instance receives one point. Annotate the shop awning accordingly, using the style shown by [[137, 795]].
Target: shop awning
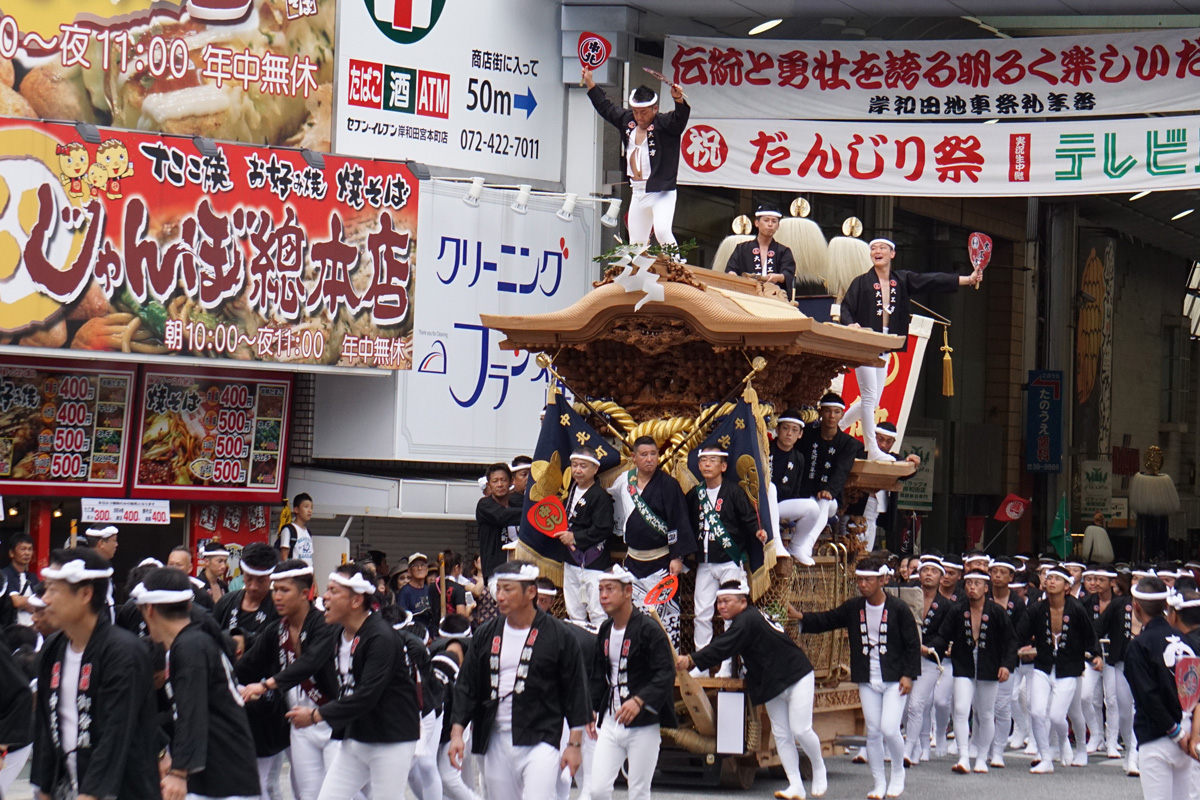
[[351, 494]]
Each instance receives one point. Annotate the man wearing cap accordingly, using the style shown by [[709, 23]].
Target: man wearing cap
[[211, 752], [589, 524], [762, 257], [419, 597], [1167, 773], [95, 712], [104, 541], [652, 513], [376, 713], [885, 656], [879, 300], [920, 700], [650, 142], [523, 675], [632, 689], [293, 658], [778, 675], [829, 454], [497, 516], [1003, 572], [724, 520], [983, 648], [294, 539]]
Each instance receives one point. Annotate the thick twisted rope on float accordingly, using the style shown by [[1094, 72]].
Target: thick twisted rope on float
[[612, 411]]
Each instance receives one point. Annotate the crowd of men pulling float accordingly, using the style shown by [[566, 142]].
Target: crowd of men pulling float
[[187, 690]]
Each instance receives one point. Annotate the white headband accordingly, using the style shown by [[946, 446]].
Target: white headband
[[936, 563], [358, 584], [999, 562], [519, 467], [740, 589], [1062, 573], [1164, 595], [782, 420], [1141, 573], [975, 576], [985, 559], [35, 601], [585, 457], [1016, 586], [75, 572], [642, 103], [1177, 602], [155, 597], [882, 572], [712, 451], [213, 553], [102, 533], [291, 573], [833, 404], [547, 592], [881, 240], [1101, 573], [249, 570], [1074, 564], [445, 634], [1192, 565], [526, 572], [768, 213], [150, 562], [617, 573]]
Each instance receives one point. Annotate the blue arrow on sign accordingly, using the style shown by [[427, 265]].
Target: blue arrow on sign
[[525, 102]]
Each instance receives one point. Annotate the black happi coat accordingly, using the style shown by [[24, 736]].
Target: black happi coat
[[662, 137], [270, 730], [996, 645], [1156, 709], [737, 515], [748, 259], [1077, 643], [939, 607], [592, 523], [787, 471], [828, 461], [863, 302], [556, 685], [230, 617], [1116, 625], [117, 754], [16, 701], [664, 497], [772, 661], [211, 739], [491, 518], [899, 651], [444, 666], [1015, 606], [648, 672]]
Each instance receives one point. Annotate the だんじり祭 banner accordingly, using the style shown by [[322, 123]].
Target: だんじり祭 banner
[[256, 71], [146, 246]]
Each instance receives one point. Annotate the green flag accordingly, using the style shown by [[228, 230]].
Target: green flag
[[1060, 531]]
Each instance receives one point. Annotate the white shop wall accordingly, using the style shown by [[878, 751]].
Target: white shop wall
[[396, 537]]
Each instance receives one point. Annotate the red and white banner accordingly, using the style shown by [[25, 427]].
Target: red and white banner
[[944, 159], [899, 388], [1106, 74]]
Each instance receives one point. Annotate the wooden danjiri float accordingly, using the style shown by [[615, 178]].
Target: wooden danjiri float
[[649, 351]]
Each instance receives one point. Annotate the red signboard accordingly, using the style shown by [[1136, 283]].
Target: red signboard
[[205, 435], [158, 246], [64, 429]]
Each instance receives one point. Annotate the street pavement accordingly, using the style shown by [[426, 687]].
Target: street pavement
[[932, 780]]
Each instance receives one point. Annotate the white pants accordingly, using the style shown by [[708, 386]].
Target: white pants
[[920, 710], [1022, 720], [776, 522], [1167, 772], [381, 769], [519, 773], [617, 743], [871, 513], [870, 388], [980, 695], [709, 578], [423, 777], [882, 707], [1091, 688], [651, 210], [268, 776], [791, 715], [581, 593], [811, 515], [1004, 716], [312, 752], [943, 703], [1050, 699], [457, 784], [667, 612], [583, 775], [1118, 704], [14, 762]]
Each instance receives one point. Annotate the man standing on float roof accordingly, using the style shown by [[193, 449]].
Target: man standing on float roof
[[879, 299], [651, 147]]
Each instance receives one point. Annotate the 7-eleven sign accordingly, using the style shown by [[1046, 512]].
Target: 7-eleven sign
[[405, 15]]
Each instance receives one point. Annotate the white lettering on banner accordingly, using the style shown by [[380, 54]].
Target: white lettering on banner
[[128, 512], [946, 159], [1105, 74]]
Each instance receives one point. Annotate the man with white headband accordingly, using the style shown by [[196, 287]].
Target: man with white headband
[[1096, 580], [95, 712], [447, 652], [589, 524], [292, 658], [829, 455], [211, 753], [497, 517], [1167, 772], [920, 700], [376, 713], [521, 467], [762, 257], [983, 648], [1058, 635], [632, 690], [1118, 625], [215, 561], [885, 655], [104, 541], [650, 143], [522, 677], [724, 520], [1003, 572], [778, 675], [879, 300]]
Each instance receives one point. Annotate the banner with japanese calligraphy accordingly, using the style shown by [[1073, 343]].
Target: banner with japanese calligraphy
[[945, 159], [64, 429], [145, 247], [1059, 76], [238, 70], [209, 435]]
